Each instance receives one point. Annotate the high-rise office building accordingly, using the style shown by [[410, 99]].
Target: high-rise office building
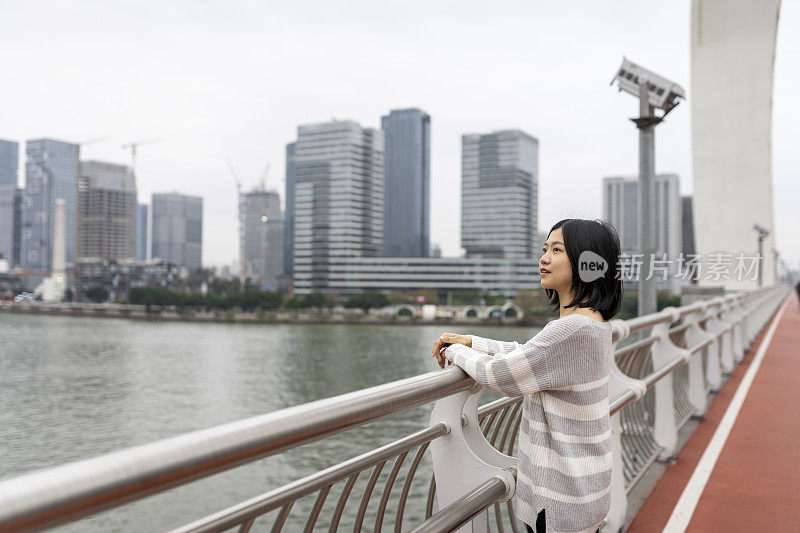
[[288, 226], [178, 229], [338, 203], [9, 162], [10, 199], [620, 201], [261, 255], [51, 172], [106, 212], [499, 194], [141, 232], [406, 218], [687, 223], [621, 207]]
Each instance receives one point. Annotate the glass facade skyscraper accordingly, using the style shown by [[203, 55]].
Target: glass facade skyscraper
[[9, 162], [338, 198], [288, 229], [51, 172], [178, 229], [141, 232], [9, 202], [406, 221], [499, 194]]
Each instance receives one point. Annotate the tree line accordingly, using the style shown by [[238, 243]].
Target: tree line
[[248, 300]]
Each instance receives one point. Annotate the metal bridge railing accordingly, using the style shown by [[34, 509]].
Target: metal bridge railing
[[657, 384]]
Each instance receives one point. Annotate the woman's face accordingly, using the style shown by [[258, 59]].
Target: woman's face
[[554, 265]]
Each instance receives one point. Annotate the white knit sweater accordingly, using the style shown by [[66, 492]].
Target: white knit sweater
[[564, 446]]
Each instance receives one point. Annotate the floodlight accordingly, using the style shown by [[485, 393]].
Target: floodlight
[[661, 92], [763, 232]]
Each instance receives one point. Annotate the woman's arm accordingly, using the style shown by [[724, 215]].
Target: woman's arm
[[487, 346], [547, 361], [491, 346], [521, 371]]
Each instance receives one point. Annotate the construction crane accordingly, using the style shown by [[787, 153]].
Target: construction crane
[[133, 145], [91, 141], [262, 179]]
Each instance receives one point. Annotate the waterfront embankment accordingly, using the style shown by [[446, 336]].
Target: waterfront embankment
[[140, 312]]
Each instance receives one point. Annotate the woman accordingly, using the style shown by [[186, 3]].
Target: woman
[[564, 446]]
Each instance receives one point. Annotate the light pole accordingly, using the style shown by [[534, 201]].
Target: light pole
[[763, 233], [653, 91]]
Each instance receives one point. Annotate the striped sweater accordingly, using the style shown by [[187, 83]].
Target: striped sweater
[[564, 446]]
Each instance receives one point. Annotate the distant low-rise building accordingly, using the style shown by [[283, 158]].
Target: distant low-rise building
[[119, 277], [348, 275]]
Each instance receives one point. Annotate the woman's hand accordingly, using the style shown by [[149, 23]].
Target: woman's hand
[[445, 340]]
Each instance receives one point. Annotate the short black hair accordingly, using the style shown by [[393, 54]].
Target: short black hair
[[605, 293]]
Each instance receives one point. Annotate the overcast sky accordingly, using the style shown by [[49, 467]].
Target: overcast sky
[[232, 80]]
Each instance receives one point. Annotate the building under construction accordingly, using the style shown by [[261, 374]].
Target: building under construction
[[261, 236], [106, 212]]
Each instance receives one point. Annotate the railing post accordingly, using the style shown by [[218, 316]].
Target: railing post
[[716, 358], [664, 352], [735, 316], [740, 339], [463, 459], [753, 319], [619, 384], [725, 330], [747, 323], [697, 380]]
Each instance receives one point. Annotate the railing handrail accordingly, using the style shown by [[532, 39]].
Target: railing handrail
[[465, 508], [68, 492]]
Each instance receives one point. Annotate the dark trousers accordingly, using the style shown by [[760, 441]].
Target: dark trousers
[[540, 524]]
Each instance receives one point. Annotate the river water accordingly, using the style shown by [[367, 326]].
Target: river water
[[73, 388]]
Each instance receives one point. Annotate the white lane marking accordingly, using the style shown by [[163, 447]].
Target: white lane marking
[[682, 514]]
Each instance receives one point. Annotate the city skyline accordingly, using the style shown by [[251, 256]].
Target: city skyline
[[552, 89]]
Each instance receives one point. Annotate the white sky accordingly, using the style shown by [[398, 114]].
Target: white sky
[[232, 80]]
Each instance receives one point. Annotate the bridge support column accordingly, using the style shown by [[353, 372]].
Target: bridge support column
[[463, 459], [665, 352], [618, 384]]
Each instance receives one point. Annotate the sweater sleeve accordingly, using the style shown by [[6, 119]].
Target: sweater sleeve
[[542, 363], [491, 346]]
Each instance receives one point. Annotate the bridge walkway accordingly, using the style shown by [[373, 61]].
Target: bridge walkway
[[750, 480]]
